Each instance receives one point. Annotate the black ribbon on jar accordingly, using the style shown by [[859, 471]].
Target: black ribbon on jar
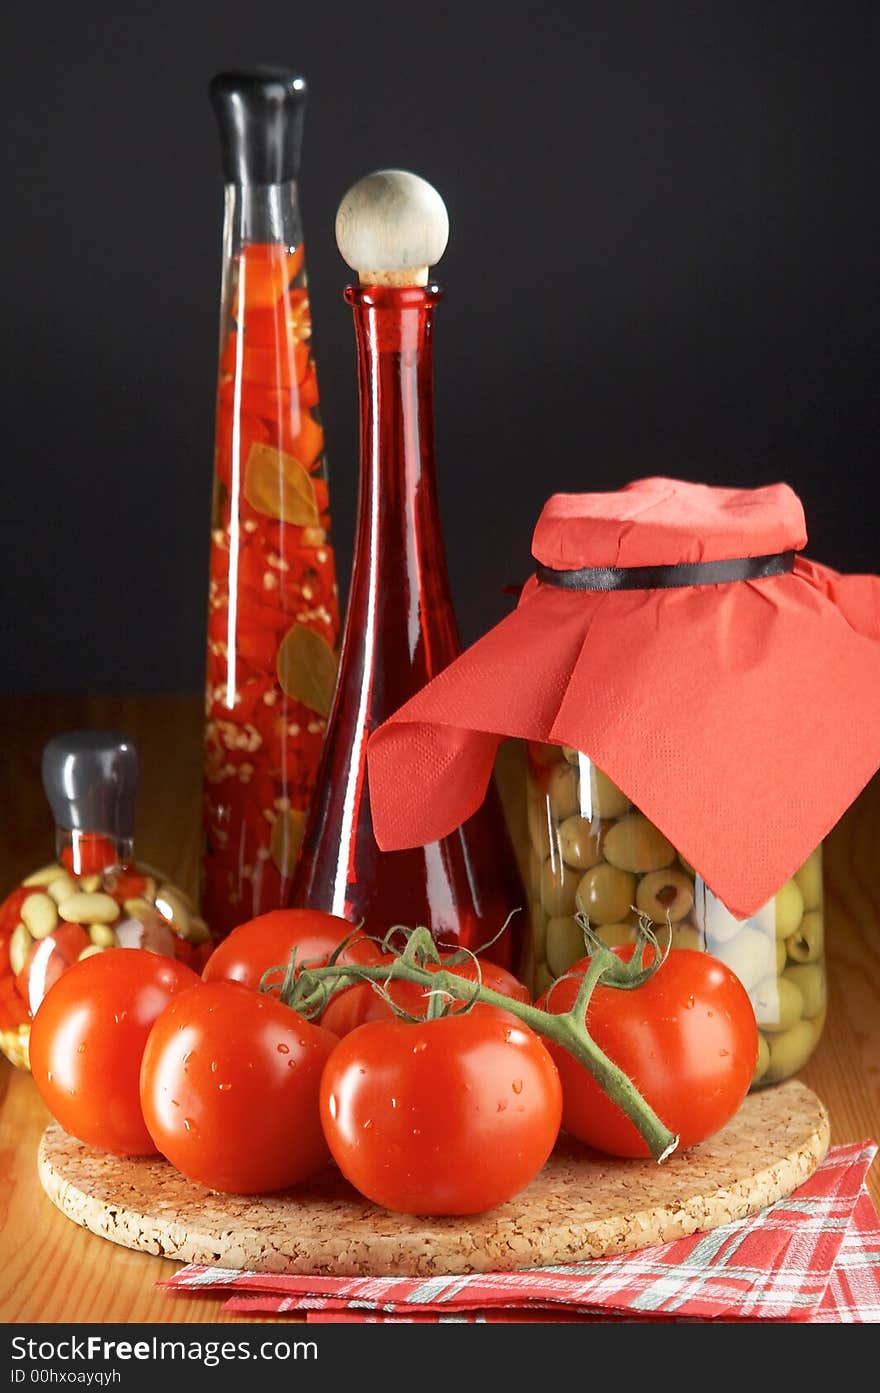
[[668, 577]]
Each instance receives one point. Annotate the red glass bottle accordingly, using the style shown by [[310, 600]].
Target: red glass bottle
[[400, 631]]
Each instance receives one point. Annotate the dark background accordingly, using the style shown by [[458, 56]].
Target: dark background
[[663, 259]]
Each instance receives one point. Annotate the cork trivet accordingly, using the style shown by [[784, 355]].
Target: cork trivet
[[581, 1206]]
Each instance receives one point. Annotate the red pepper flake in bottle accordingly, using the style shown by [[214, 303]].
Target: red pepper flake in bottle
[[273, 614]]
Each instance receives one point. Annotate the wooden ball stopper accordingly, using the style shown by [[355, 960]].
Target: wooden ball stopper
[[391, 227]]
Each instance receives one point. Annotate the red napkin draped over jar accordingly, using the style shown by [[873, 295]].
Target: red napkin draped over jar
[[741, 717]]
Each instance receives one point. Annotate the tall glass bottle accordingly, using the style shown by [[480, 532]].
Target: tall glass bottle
[[400, 631], [273, 612]]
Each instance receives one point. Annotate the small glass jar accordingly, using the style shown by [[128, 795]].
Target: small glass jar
[[94, 896], [592, 851]]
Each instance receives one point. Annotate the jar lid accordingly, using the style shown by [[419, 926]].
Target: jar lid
[[666, 522], [741, 717]]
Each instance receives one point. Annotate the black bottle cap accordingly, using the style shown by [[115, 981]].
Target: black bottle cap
[[260, 112], [91, 779]]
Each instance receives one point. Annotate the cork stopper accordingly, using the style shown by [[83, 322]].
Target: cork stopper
[[391, 228]]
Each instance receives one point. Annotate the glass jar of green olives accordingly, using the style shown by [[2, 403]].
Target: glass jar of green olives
[[592, 851]]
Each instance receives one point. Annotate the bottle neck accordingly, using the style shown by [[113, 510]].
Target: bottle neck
[[91, 853], [399, 569], [261, 213]]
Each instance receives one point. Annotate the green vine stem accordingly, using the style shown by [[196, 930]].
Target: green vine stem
[[312, 988]]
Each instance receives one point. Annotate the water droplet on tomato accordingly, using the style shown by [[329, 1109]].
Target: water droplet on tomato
[[517, 1085], [331, 1104], [419, 1046], [416, 1131], [175, 1102], [224, 1087], [690, 1002], [187, 1057], [394, 1102], [213, 1066], [502, 1106], [368, 1122], [187, 1122], [283, 1049]]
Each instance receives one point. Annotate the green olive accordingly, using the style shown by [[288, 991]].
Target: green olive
[[615, 935], [809, 978], [580, 842], [565, 944], [665, 895], [778, 1003], [635, 844], [559, 884], [809, 880], [605, 893], [763, 1060], [781, 956], [543, 978], [538, 816], [751, 955], [789, 906], [790, 1051], [606, 799], [684, 935], [562, 791], [806, 945]]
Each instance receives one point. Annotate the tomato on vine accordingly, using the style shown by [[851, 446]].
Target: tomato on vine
[[361, 1003], [446, 1116], [268, 941], [229, 1089], [687, 1039]]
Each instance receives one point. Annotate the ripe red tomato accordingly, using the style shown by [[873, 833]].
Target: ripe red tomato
[[450, 1116], [359, 1004], [687, 1038], [229, 1089], [87, 1040], [267, 941]]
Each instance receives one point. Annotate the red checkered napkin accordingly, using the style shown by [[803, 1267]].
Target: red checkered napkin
[[814, 1256]]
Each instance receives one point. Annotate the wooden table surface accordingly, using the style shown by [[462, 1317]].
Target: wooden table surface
[[52, 1271]]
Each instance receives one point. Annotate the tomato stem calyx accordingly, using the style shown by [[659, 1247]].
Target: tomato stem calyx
[[309, 992]]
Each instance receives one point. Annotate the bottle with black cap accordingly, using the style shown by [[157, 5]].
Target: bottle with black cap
[[93, 896], [273, 609]]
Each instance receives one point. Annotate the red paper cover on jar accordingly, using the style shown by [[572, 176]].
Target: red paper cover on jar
[[729, 686]]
